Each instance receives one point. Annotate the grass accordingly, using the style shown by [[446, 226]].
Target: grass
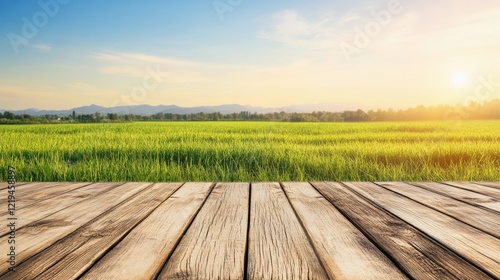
[[245, 151]]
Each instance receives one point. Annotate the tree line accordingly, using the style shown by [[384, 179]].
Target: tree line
[[488, 110]]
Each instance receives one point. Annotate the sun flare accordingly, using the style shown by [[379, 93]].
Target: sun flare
[[460, 80]]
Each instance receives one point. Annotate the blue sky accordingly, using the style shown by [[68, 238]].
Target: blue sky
[[262, 53]]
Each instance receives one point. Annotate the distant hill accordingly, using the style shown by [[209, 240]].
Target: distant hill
[[174, 109]]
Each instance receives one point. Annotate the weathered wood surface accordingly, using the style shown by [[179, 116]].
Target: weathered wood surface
[[495, 185], [214, 245], [484, 220], [345, 252], [324, 230], [41, 234], [278, 245], [466, 196], [153, 241], [41, 209], [411, 249], [70, 257], [28, 194], [472, 244], [493, 192]]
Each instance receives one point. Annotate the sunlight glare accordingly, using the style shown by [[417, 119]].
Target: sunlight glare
[[460, 80]]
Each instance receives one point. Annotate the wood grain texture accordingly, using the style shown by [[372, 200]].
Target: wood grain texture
[[495, 185], [297, 231], [472, 244], [35, 192], [214, 245], [484, 220], [278, 245], [345, 252], [21, 185], [70, 257], [41, 209], [493, 192], [142, 253], [419, 256], [467, 196], [4, 185], [43, 233]]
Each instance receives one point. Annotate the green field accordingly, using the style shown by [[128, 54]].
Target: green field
[[246, 151]]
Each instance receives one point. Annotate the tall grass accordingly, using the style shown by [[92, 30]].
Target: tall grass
[[243, 151]]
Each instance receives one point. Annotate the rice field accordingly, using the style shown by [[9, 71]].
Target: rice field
[[252, 151]]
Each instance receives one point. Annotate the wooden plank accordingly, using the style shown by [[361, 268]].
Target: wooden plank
[[484, 220], [344, 251], [412, 250], [43, 233], [36, 185], [34, 192], [214, 245], [4, 185], [477, 188], [278, 247], [29, 196], [70, 257], [37, 211], [467, 196], [142, 253], [470, 243], [495, 185]]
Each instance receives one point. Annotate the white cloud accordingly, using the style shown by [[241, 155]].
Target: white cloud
[[147, 59], [42, 47], [290, 28], [463, 22], [180, 71], [131, 58], [137, 64], [125, 70]]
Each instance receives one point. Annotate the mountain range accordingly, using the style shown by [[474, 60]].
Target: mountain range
[[224, 109]]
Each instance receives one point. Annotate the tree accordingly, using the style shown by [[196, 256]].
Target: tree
[[8, 115], [113, 116]]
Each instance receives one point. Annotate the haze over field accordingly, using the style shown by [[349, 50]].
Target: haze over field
[[59, 54]]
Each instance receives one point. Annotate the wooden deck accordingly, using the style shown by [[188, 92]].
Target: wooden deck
[[254, 231]]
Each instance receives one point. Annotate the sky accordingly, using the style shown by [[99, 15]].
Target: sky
[[61, 54]]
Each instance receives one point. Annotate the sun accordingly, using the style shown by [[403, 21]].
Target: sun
[[460, 79]]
